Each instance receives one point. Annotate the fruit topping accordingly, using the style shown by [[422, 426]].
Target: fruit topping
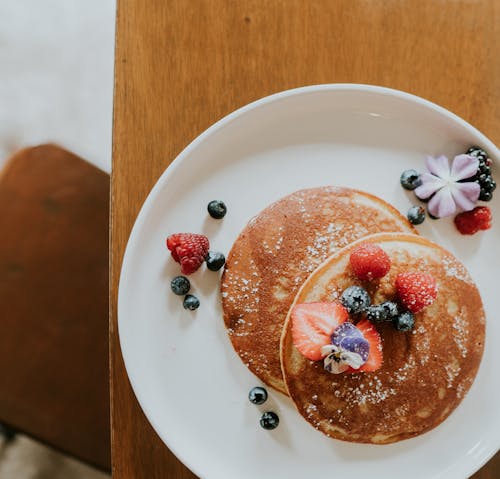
[[257, 395], [478, 153], [217, 209], [416, 290], [355, 299], [410, 179], [375, 358], [313, 325], [269, 420], [471, 222], [405, 321], [369, 261], [191, 302], [382, 312], [215, 260], [188, 249], [443, 183], [416, 215], [180, 285]]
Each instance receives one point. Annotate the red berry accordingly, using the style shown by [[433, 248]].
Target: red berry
[[313, 325], [375, 357], [188, 249], [416, 290], [470, 222], [369, 261]]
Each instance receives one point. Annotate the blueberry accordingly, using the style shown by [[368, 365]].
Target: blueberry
[[355, 299], [257, 395], [217, 209], [410, 179], [404, 322], [191, 302], [382, 312], [416, 215], [180, 285], [269, 420], [215, 260]]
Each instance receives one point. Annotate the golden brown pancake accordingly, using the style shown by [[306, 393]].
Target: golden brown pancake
[[276, 252], [426, 372]]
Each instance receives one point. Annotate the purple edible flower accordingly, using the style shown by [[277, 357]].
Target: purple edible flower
[[443, 182]]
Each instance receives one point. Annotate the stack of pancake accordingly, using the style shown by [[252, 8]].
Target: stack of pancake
[[297, 251]]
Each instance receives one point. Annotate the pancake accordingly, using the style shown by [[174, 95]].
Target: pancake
[[276, 252], [426, 372]]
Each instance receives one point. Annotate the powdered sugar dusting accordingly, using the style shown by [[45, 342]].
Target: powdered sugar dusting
[[460, 328]]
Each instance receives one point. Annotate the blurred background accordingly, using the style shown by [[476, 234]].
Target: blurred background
[[56, 86]]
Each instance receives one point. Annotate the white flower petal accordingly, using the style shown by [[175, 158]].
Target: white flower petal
[[466, 195], [439, 166], [430, 184], [464, 166], [442, 203]]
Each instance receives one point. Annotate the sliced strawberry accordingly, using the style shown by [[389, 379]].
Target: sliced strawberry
[[375, 356], [313, 325]]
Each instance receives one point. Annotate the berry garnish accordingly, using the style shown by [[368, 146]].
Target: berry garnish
[[382, 312], [217, 209], [355, 299], [416, 215], [404, 322], [471, 222], [257, 395], [215, 260], [478, 153], [180, 285], [410, 179], [416, 290], [369, 261], [485, 195], [191, 302], [375, 358], [188, 249], [269, 420], [349, 338], [313, 325]]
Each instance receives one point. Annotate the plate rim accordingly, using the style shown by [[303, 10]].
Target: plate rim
[[132, 241]]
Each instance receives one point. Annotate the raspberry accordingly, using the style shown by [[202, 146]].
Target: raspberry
[[470, 222], [188, 249], [369, 261], [416, 290]]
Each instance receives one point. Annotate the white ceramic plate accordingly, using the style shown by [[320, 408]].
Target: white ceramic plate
[[189, 381]]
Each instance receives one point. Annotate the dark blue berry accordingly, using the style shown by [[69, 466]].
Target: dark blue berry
[[257, 395], [410, 179], [180, 285], [485, 195], [269, 420], [478, 153], [416, 215], [386, 311], [355, 299], [191, 302], [215, 260], [404, 322], [217, 209]]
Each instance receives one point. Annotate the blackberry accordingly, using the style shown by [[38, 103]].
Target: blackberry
[[478, 153], [257, 395], [416, 215], [355, 299], [269, 420], [215, 260], [410, 179], [485, 195]]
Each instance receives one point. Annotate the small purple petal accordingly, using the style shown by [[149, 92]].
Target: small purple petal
[[439, 166], [466, 195], [442, 204], [464, 166], [430, 184]]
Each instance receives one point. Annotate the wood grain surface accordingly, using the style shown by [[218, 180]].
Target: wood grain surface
[[181, 65]]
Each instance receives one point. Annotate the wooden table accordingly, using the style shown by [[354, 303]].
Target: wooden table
[[183, 64]]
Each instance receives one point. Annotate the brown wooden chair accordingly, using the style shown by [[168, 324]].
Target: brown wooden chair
[[54, 221]]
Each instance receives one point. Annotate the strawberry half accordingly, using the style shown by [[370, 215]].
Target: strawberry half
[[375, 357], [313, 325], [188, 249]]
